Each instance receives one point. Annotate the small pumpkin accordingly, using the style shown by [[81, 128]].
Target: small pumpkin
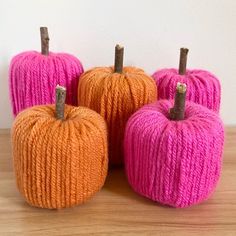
[[116, 93], [33, 76], [203, 87]]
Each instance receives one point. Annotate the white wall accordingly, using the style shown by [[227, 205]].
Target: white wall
[[152, 32]]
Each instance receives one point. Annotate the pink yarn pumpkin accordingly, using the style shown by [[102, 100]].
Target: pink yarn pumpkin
[[177, 163], [33, 77], [203, 87]]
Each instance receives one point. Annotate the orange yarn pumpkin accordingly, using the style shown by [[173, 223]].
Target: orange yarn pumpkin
[[116, 96], [59, 163]]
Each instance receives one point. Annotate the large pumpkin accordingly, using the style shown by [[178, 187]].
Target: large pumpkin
[[116, 93], [174, 156], [59, 161]]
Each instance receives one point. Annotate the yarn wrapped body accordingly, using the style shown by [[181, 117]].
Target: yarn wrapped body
[[177, 163], [33, 78], [59, 163], [116, 96], [203, 87]]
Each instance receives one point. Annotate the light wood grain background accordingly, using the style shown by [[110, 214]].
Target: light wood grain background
[[117, 210]]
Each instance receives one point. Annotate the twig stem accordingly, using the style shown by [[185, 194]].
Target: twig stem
[[60, 101], [119, 55], [177, 112], [44, 41], [183, 61]]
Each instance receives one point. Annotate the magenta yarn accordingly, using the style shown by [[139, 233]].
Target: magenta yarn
[[33, 78], [203, 87], [177, 163]]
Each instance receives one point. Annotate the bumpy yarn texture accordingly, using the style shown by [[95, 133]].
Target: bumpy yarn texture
[[116, 97], [203, 87], [59, 163], [177, 163], [33, 78]]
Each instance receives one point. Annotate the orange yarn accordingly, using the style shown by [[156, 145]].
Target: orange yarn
[[59, 163], [116, 96]]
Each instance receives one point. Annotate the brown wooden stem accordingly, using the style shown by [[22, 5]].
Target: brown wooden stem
[[183, 61], [44, 41], [60, 101], [119, 55], [177, 112]]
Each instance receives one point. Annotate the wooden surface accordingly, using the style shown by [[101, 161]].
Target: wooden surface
[[117, 210]]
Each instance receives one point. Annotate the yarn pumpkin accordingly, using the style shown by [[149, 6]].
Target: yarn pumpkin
[[59, 162], [116, 93], [203, 87], [174, 162], [33, 76]]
